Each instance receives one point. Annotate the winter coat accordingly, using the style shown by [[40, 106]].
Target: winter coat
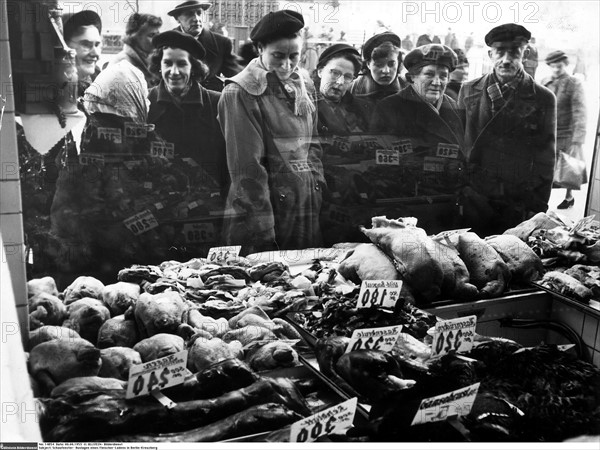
[[193, 127], [365, 87], [511, 154], [219, 58], [350, 115], [276, 171]]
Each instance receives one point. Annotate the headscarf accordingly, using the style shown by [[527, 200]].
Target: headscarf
[[120, 89]]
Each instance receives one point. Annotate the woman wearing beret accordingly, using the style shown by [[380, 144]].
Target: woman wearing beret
[[427, 123], [184, 112], [268, 116], [570, 117], [381, 68]]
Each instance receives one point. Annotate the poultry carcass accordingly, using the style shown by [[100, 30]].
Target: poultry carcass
[[160, 313], [46, 309], [120, 296], [159, 346], [50, 333], [83, 287], [487, 269], [271, 355], [116, 362], [118, 332], [86, 316], [523, 263], [203, 353], [45, 285], [430, 268]]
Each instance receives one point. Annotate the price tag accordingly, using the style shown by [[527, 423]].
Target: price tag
[[195, 282], [142, 222], [193, 205], [135, 130], [301, 165], [221, 254], [383, 293], [341, 143], [162, 149], [387, 157], [447, 150], [148, 185], [371, 143], [444, 236], [455, 403], [158, 206], [339, 215], [334, 420], [453, 335], [158, 374], [382, 339], [403, 147], [132, 164], [581, 224], [89, 159], [431, 164], [198, 232], [113, 135]]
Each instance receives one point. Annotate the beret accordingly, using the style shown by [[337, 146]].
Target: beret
[[556, 56], [177, 39], [191, 4], [507, 32], [81, 19], [377, 40], [335, 49], [437, 54], [277, 24]]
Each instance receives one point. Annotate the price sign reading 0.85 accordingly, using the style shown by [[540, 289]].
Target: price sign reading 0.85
[[454, 335], [156, 375], [382, 339], [379, 293], [221, 254], [334, 420]]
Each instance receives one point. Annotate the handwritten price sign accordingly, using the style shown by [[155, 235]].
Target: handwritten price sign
[[221, 254], [198, 232], [382, 293], [334, 420], [382, 339], [158, 374], [387, 157], [455, 403], [142, 222], [454, 335]]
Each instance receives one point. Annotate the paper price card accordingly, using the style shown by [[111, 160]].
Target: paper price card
[[450, 233], [453, 335], [140, 223], [403, 147], [387, 157], [158, 374], [88, 159], [581, 224], [341, 143], [382, 339], [135, 130], [334, 420], [221, 254], [447, 150], [162, 149], [113, 135], [431, 164], [455, 403], [198, 232], [383, 293]]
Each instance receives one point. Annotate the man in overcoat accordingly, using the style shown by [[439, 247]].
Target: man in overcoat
[[220, 59], [510, 136]]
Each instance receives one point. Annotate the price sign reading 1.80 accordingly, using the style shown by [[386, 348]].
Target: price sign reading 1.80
[[454, 335], [382, 339], [156, 375], [334, 420], [221, 254], [381, 293]]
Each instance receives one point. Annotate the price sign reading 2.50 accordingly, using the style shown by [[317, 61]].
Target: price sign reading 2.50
[[156, 375], [334, 420], [221, 254], [379, 293], [454, 335]]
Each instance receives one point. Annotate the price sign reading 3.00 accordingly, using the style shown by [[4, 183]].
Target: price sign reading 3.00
[[334, 420]]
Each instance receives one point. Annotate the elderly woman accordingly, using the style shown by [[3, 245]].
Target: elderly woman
[[184, 112], [426, 124], [381, 68], [269, 117]]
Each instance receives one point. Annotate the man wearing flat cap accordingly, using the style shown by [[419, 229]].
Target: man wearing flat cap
[[571, 120], [510, 137], [220, 59]]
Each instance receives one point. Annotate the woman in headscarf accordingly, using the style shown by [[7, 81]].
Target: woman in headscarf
[[183, 111], [382, 59], [268, 116], [100, 192], [427, 126]]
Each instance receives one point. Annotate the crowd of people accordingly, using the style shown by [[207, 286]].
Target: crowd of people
[[255, 143]]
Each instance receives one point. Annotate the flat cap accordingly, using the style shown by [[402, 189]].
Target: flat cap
[[191, 4], [507, 32], [177, 39], [377, 40], [336, 49], [556, 56], [425, 55], [277, 24], [71, 22]]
